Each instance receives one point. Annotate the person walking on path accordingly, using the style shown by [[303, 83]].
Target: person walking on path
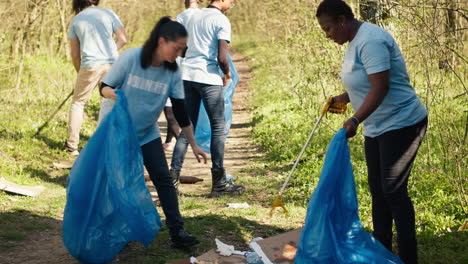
[[149, 76], [173, 129], [395, 121], [209, 36], [93, 50]]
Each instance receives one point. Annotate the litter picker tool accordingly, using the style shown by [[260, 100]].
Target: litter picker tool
[[52, 116], [329, 106]]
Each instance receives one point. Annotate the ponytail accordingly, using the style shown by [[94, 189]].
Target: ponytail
[[169, 30]]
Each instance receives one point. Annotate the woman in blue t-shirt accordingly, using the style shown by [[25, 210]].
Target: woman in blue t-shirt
[[395, 121], [148, 76]]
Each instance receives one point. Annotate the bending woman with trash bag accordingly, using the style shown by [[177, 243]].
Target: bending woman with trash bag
[[149, 75], [210, 34], [377, 85]]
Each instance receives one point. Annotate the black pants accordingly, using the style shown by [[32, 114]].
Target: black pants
[[390, 158], [156, 165]]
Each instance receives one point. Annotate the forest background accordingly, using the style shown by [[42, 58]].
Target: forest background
[[295, 68]]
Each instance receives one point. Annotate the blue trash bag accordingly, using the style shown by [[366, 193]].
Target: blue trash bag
[[333, 232], [108, 203], [203, 129]]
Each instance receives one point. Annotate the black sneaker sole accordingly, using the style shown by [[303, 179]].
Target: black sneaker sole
[[218, 194], [185, 245]]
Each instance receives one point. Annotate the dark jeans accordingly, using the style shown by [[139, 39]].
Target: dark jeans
[[390, 158], [156, 165], [213, 100]]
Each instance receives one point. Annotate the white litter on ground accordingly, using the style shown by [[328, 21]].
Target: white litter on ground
[[226, 250]]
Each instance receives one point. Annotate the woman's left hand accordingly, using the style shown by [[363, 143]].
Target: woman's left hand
[[350, 127], [198, 152]]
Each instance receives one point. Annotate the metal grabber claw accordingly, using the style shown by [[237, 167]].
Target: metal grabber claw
[[329, 106]]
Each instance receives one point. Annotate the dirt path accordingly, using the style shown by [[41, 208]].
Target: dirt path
[[47, 246]]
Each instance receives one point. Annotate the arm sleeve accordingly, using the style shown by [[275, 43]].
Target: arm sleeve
[[116, 23], [177, 86], [179, 112], [71, 31], [224, 29], [102, 86], [375, 56]]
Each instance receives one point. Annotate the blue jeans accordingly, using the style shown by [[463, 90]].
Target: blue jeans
[[213, 99]]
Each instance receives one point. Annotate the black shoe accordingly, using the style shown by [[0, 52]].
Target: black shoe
[[221, 186], [228, 189], [182, 239]]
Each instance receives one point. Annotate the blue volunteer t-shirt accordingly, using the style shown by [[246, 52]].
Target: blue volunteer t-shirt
[[371, 51], [205, 28], [146, 89], [94, 27]]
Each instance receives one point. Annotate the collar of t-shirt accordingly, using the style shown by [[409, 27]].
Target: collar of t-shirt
[[212, 6]]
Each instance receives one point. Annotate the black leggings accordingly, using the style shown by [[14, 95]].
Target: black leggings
[[390, 158], [156, 165]]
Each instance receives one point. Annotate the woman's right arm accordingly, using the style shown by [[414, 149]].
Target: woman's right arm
[[75, 53], [121, 37], [107, 91]]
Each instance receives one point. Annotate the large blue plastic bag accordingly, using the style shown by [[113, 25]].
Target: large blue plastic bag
[[333, 232], [203, 129], [108, 203]]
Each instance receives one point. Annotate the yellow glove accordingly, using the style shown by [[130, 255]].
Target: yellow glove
[[333, 107]]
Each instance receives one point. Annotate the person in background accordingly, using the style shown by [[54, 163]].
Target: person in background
[[173, 129], [149, 76], [209, 36], [93, 50], [377, 85]]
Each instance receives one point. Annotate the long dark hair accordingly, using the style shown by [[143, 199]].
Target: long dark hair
[[168, 29], [79, 5], [334, 9]]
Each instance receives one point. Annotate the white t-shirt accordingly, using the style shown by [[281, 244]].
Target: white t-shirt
[[205, 28], [186, 15]]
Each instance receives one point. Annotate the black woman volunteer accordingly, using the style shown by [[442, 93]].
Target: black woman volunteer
[[377, 85]]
